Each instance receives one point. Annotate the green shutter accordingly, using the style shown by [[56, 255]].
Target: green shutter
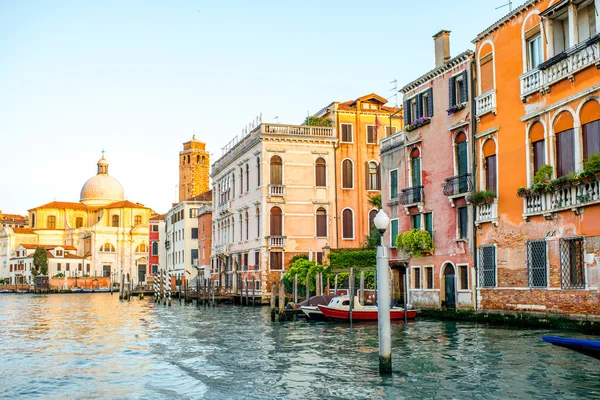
[[462, 158], [464, 95], [394, 184], [429, 224], [416, 171], [394, 233]]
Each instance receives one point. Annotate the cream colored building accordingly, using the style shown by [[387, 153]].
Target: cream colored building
[[106, 229], [273, 198]]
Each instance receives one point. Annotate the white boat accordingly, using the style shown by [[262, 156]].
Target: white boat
[[313, 312], [339, 309], [76, 290]]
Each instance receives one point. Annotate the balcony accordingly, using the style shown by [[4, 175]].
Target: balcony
[[485, 103], [486, 212], [393, 201], [220, 249], [223, 208], [167, 244], [566, 198], [458, 185], [561, 66], [301, 130], [392, 142], [276, 191], [411, 195], [276, 241]]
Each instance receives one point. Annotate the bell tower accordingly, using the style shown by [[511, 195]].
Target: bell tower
[[194, 169]]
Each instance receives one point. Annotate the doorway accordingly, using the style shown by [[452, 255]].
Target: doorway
[[141, 273], [449, 287]]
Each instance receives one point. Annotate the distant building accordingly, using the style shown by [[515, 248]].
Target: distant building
[[61, 260], [205, 240], [12, 221], [427, 175], [111, 233], [194, 169], [156, 244]]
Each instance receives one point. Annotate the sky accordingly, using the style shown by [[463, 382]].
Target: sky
[[139, 78]]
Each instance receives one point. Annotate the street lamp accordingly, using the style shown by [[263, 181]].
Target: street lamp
[[383, 307]]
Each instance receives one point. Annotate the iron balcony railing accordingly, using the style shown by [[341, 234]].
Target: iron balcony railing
[[458, 184], [412, 195]]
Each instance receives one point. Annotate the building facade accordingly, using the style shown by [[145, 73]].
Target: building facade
[[427, 170], [12, 221], [156, 243], [194, 169], [107, 230], [205, 241], [360, 125], [272, 199], [538, 112]]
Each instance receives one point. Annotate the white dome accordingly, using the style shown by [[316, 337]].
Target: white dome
[[101, 189]]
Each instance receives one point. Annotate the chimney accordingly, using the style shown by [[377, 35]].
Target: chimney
[[442, 47]]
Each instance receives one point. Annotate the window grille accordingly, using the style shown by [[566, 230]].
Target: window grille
[[537, 263], [572, 263], [487, 266]]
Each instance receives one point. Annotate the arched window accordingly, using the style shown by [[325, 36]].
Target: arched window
[[188, 159], [51, 222], [203, 160], [137, 220], [247, 226], [320, 172], [257, 171], [247, 177], [241, 180], [590, 128], [276, 222], [462, 161], [78, 222], [321, 222], [233, 185], [276, 171], [115, 221], [198, 159], [33, 220], [347, 174], [107, 248], [141, 248], [154, 248], [183, 159], [415, 167], [489, 165], [538, 146], [486, 68], [565, 144], [372, 215], [347, 224], [257, 222], [372, 176]]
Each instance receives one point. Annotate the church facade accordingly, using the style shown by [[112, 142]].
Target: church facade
[[110, 233]]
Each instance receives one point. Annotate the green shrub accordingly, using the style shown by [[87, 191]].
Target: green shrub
[[592, 164], [415, 242], [544, 174]]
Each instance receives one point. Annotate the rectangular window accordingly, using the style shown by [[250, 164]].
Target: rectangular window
[[347, 133], [565, 154], [320, 257], [245, 258], [429, 223], [463, 271], [58, 267], [487, 73], [390, 130], [371, 134], [534, 51], [154, 228], [413, 110], [276, 260], [415, 221], [394, 184], [256, 259], [67, 267], [560, 27], [194, 255], [572, 264], [424, 104], [487, 266], [537, 263], [459, 84], [429, 277], [417, 278], [539, 155], [394, 232], [591, 138], [586, 22], [194, 233], [490, 173], [462, 219]]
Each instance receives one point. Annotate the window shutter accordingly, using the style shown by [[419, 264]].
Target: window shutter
[[430, 102], [451, 90], [464, 95], [406, 112], [379, 176], [419, 106]]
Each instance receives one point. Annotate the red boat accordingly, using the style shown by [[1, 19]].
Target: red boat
[[339, 309]]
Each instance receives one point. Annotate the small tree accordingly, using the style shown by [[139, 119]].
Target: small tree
[[372, 240], [40, 261], [375, 201], [318, 121]]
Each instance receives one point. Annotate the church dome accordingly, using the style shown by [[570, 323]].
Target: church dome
[[101, 189]]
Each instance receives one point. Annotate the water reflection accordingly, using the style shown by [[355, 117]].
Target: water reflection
[[93, 346]]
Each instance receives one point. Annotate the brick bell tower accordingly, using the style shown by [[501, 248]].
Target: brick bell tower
[[194, 169]]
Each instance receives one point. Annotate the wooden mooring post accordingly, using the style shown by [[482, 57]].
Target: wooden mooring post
[[362, 287], [336, 282], [308, 288], [253, 290], [273, 301], [296, 289], [351, 292], [247, 303], [281, 299]]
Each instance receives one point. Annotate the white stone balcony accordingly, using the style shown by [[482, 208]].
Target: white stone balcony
[[485, 103], [276, 190], [276, 241], [302, 130], [220, 249], [566, 198], [486, 212], [564, 65]]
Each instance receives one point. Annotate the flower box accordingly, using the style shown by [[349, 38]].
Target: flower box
[[417, 124], [455, 108]]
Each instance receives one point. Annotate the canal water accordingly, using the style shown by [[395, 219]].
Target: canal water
[[93, 346]]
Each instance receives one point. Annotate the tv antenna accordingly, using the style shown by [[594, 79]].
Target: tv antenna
[[395, 90], [509, 4]]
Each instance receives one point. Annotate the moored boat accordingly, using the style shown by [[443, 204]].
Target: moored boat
[[313, 313], [339, 309], [588, 347]]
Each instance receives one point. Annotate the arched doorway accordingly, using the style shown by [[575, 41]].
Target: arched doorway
[[449, 286]]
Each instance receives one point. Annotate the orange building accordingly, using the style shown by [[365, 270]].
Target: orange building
[[360, 125], [538, 111]]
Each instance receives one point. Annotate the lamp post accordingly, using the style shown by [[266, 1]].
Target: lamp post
[[383, 315]]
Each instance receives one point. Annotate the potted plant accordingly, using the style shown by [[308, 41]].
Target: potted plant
[[415, 242], [417, 123], [455, 108], [481, 197], [592, 165], [523, 192]]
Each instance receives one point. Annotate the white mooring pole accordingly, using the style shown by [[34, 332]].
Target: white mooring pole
[[383, 315]]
